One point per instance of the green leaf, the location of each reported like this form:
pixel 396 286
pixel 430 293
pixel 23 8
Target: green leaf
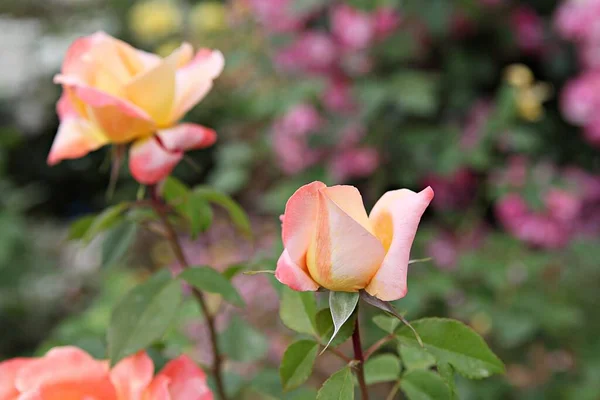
pixel 447 373
pixel 339 386
pixel 453 342
pixel 382 368
pixel 104 220
pixel 388 324
pixel 325 327
pixel 416 92
pixel 298 310
pixel 341 305
pixel 241 342
pixel 297 363
pixel 199 214
pixel 209 280
pixel 174 190
pixel 117 242
pixel 236 213
pixel 78 229
pixel 416 357
pixel 424 385
pixel 233 270
pixel 143 315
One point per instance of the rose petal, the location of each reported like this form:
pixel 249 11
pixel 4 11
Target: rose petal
pixel 187 380
pixel 349 200
pixel 299 221
pixel 290 274
pixel 150 162
pixel 395 219
pixel 80 390
pixel 76 137
pixel 61 364
pixel 343 255
pixel 154 90
pixel 158 389
pixel 8 374
pixel 184 137
pixel 132 376
pixel 120 120
pixel 195 80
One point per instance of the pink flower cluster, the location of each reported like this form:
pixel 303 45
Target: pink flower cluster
pixel 568 199
pixel 339 55
pixel 579 22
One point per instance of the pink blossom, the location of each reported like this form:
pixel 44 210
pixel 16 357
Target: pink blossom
pixel 575 20
pixel 591 132
pixel 529 29
pixel 276 15
pixel 354 29
pixel 354 163
pixel 580 98
pixel 357 63
pixel 338 96
pixel 313 52
pixel 562 205
pixel 386 20
pixel 444 251
pixel 290 138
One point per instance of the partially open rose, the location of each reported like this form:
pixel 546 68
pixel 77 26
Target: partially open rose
pixel 114 93
pixel 331 242
pixel 66 373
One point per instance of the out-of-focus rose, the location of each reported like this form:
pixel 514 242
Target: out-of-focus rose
pixel 331 242
pixel 354 29
pixel 338 96
pixel 386 20
pixel 276 15
pixel 290 138
pixel 528 28
pixel 70 373
pixel 154 19
pixel 354 163
pixel 113 93
pixel 313 52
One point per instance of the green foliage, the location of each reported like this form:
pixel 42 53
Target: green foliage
pixel 325 328
pixel 341 305
pixel 117 242
pixel 208 280
pixel 382 368
pixel 424 385
pixel 236 213
pixel 103 221
pixel 143 316
pixel 388 324
pixel 415 357
pixel 297 363
pixel 452 342
pixel 241 342
pixel 339 386
pixel 298 310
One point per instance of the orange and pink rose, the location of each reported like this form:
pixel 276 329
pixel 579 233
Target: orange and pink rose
pixel 69 373
pixel 114 93
pixel 331 242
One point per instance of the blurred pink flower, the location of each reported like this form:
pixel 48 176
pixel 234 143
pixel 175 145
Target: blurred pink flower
pixel 576 20
pixel 354 163
pixel 313 52
pixel 562 205
pixel 446 247
pixel 276 15
pixel 386 20
pixel 354 29
pixel 453 192
pixel 290 138
pixel 580 98
pixel 528 29
pixel 357 63
pixel 338 96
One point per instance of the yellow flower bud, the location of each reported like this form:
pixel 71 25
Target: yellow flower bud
pixel 519 76
pixel 154 19
pixel 208 16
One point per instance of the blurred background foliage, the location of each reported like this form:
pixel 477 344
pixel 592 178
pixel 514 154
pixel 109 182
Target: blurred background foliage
pixel 491 102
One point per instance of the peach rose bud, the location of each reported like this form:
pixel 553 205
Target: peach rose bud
pixel 331 242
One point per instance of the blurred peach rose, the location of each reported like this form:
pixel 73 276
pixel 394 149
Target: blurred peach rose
pixel 330 241
pixel 70 373
pixel 113 93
